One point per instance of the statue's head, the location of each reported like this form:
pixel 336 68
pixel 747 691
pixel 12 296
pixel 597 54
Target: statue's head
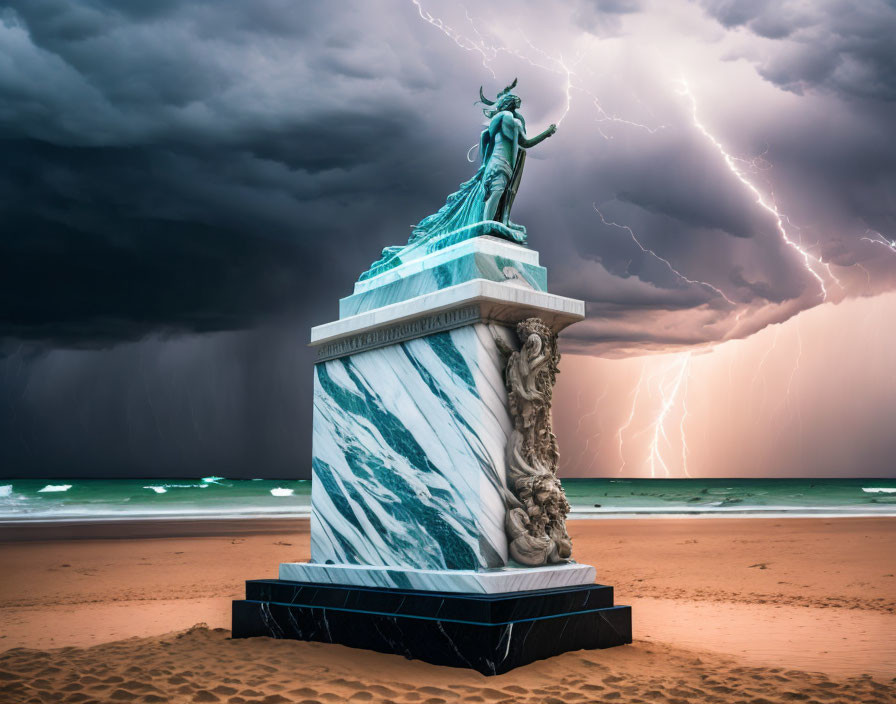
pixel 505 100
pixel 509 101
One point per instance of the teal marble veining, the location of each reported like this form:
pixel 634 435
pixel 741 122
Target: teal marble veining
pixel 424 259
pixel 408 454
pixel 418 249
pixel 465 267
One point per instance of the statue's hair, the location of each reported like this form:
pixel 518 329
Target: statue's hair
pixel 503 101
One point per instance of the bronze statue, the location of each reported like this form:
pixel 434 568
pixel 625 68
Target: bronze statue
pixel 481 206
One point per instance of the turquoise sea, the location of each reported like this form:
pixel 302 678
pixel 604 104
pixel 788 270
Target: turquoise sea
pixel 218 497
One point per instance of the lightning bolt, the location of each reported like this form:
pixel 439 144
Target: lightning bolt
pixel 666 262
pixel 671 389
pixel 593 411
pixel 877 238
pixel 655 455
pixel 465 43
pixel 672 386
pixel 684 417
pixel 768 351
pixel 562 69
pixel 631 416
pixel 604 116
pixel 767 205
pixel 489 52
pixel 591 437
pixel 793 373
pixel 548 62
pixel 810 262
pixel 796 365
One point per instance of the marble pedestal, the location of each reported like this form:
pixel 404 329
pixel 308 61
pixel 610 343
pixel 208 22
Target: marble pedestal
pixel 411 425
pixel 410 409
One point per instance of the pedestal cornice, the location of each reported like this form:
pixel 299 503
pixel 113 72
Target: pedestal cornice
pixel 471 302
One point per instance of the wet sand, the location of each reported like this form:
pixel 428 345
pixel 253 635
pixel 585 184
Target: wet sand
pixel 724 610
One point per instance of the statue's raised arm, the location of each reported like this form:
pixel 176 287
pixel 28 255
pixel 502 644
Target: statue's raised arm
pixel 481 206
pixel 526 143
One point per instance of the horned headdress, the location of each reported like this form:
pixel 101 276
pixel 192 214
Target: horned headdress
pixel 503 101
pixel 500 95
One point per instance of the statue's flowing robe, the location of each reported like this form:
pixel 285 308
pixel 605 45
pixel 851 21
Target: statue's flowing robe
pixel 462 215
pixel 464 208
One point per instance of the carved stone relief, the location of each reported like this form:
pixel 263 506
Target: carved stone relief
pixel 537 505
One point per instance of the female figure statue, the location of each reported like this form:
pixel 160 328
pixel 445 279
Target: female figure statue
pixel 489 195
pixel 481 206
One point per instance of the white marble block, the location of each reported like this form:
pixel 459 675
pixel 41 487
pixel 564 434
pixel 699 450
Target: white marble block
pixel 408 453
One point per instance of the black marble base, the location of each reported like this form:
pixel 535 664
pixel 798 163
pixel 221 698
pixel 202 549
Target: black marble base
pixel 491 633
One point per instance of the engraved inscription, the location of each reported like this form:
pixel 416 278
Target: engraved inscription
pixel 399 332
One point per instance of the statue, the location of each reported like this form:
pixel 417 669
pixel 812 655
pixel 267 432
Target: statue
pixel 536 519
pixel 482 205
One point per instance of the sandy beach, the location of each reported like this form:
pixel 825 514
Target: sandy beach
pixel 754 610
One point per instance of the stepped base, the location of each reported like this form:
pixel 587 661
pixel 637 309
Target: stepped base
pixel 492 581
pixel 491 633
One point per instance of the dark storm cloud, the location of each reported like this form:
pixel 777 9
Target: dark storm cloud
pixel 145 173
pixel 161 174
pixel 187 187
pixel 322 137
pixel 603 17
pixel 684 189
pixel 841 46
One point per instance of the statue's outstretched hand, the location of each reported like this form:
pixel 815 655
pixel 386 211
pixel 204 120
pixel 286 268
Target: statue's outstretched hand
pixel 551 129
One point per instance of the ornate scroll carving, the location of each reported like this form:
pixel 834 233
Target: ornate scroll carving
pixel 536 518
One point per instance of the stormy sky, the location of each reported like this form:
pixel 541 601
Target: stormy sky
pixel 186 187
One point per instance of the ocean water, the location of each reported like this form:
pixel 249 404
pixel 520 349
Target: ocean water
pixel 97 499
pixel 217 497
pixel 732 496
